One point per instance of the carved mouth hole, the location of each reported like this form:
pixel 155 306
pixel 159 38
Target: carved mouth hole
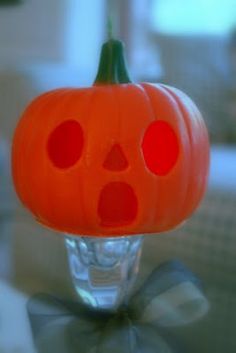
pixel 117 205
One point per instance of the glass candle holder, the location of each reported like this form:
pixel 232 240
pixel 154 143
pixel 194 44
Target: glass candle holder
pixel 104 269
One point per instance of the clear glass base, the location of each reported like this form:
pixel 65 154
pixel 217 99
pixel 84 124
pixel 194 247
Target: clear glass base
pixel 104 270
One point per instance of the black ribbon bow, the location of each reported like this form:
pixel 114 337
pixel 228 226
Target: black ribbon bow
pixel 171 296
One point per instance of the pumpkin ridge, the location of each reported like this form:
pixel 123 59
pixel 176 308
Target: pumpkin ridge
pixel 167 89
pixel 47 189
pixel 188 210
pixel 175 210
pixel 34 121
pixel 139 88
pixel 83 180
pixel 148 99
pixel 70 96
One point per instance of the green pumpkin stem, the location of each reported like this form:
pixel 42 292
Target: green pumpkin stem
pixel 112 67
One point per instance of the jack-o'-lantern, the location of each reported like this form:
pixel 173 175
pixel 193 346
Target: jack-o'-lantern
pixel 117 158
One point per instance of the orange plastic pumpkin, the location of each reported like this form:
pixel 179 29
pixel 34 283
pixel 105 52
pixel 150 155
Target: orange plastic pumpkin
pixel 114 159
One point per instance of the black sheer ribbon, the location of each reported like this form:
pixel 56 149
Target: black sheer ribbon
pixel 171 296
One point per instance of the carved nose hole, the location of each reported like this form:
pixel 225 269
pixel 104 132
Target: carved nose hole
pixel 115 159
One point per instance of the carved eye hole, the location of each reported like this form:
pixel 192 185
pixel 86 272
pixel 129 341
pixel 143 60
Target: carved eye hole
pixel 65 144
pixel 160 147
